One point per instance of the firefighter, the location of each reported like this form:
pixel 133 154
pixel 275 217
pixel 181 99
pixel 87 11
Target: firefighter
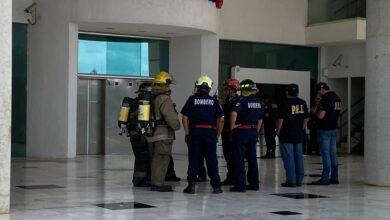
pixel 166 122
pixel 141 175
pixel 202 122
pixel 230 88
pixel 245 123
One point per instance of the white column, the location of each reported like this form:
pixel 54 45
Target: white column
pixel 189 57
pixel 5 102
pixel 377 98
pixel 52 83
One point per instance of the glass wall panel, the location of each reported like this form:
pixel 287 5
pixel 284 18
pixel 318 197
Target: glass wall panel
pixel 266 56
pixel 122 56
pixel 333 10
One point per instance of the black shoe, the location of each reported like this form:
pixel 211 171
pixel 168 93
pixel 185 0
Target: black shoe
pixel 288 185
pixel 334 182
pixel 217 190
pixel 142 184
pixel 235 189
pixel 299 184
pixel 165 188
pixel 318 183
pixel 252 188
pixel 265 157
pixel 190 189
pixel 201 179
pixel 227 182
pixel 272 157
pixel 172 179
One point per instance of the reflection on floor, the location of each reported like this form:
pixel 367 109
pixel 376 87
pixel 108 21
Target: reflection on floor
pixel 98 187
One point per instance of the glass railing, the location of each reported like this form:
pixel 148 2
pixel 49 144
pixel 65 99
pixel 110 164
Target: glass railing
pixel 333 10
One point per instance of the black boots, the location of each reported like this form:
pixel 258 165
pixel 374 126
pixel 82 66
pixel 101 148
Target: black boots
pixel 173 178
pixel 190 188
pixel 165 188
pixel 217 190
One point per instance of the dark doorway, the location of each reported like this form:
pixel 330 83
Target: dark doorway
pixel 276 92
pixel 19 90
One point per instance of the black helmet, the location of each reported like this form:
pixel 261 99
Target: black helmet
pixel 145 87
pixel 248 84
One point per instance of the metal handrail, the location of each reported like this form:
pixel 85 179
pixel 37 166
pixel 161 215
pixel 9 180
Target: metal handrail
pixel 342 125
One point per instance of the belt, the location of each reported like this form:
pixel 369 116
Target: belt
pixel 203 126
pixel 246 127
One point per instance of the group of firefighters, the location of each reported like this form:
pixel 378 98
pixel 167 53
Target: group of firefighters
pixel 152 119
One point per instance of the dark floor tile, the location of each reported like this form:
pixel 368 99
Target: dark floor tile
pixel 313 175
pixel 286 213
pixel 40 187
pixel 118 170
pixel 124 205
pixel 86 177
pixel 300 196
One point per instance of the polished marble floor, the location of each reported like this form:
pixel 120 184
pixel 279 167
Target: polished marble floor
pixel 98 187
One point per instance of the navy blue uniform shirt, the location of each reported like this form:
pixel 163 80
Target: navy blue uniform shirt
pixel 228 107
pixel 293 112
pixel 331 104
pixel 202 109
pixel 249 110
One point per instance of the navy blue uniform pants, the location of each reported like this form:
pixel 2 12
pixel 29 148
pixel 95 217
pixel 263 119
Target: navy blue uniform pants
pixel 227 146
pixel 205 140
pixel 245 146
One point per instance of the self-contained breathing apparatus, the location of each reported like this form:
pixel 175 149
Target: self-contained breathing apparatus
pixel 125 121
pixel 137 114
pixel 145 122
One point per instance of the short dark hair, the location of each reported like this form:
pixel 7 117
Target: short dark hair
pixel 293 90
pixel 322 85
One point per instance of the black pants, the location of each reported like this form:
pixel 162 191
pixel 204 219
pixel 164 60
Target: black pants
pixel 141 160
pixel 227 145
pixel 269 136
pixel 313 144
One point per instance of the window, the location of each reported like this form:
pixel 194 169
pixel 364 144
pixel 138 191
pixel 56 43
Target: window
pixel 121 56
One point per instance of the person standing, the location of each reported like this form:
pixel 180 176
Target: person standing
pixel 328 113
pixel 202 122
pixel 141 175
pixel 269 128
pixel 313 128
pixel 245 123
pixel 166 122
pixel 292 119
pixel 230 88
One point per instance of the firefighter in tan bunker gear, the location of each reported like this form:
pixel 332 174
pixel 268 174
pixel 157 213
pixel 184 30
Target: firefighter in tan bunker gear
pixel 166 123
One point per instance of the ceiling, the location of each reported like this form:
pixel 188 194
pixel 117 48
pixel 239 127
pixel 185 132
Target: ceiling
pixel 147 30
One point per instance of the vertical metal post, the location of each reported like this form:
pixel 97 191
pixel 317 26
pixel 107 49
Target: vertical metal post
pixel 88 107
pixel 349 114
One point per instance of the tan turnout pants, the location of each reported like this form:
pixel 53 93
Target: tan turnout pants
pixel 160 153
